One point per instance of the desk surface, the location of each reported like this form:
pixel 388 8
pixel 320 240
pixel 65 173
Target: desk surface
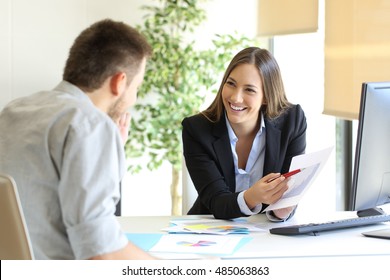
pixel 345 242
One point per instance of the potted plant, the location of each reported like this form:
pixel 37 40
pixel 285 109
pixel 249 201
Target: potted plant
pixel 177 78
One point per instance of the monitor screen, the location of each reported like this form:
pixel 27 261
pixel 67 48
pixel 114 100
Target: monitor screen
pixel 371 175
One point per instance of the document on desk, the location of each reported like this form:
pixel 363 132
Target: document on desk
pixel 199 244
pixel 196 244
pixel 309 166
pixel 211 226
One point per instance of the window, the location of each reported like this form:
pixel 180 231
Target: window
pixel 301 59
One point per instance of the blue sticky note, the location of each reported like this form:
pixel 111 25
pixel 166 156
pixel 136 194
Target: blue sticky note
pixel 243 241
pixel 144 240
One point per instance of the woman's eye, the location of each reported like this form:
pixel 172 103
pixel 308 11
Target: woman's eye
pixel 250 90
pixel 230 83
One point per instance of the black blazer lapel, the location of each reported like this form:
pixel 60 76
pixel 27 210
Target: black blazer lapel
pixel 223 152
pixel 272 149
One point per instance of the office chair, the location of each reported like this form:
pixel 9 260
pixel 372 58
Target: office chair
pixel 14 238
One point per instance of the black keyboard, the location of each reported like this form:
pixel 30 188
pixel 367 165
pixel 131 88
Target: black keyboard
pixel 331 225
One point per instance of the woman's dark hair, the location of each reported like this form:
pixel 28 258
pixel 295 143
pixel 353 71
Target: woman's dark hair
pixel 274 94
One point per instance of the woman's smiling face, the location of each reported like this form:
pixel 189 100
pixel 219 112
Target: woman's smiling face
pixel 242 95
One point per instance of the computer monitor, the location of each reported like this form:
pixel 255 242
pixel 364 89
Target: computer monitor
pixel 371 174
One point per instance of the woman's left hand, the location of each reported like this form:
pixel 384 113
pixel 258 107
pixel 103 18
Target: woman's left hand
pixel 283 213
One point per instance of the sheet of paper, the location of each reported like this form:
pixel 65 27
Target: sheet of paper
pixel 199 244
pixel 311 164
pixel 212 226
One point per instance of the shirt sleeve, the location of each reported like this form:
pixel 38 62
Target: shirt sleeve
pixel 244 208
pixel 89 188
pixel 273 218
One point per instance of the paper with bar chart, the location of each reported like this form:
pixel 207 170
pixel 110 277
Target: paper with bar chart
pixel 310 166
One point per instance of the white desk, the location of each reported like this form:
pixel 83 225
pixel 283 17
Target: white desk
pixel 346 242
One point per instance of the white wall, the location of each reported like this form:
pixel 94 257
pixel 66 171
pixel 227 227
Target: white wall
pixel 36 36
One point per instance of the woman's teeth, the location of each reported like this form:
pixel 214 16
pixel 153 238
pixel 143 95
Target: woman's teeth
pixel 235 108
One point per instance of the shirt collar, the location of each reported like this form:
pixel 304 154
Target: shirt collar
pixel 232 135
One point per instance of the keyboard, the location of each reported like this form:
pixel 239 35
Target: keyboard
pixel 313 228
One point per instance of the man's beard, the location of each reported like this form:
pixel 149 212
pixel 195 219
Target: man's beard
pixel 116 110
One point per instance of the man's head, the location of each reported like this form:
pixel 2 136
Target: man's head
pixel 102 50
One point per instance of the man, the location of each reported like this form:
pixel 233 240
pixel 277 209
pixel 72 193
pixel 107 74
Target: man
pixel 64 147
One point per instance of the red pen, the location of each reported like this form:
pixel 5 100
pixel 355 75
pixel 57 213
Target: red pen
pixel 289 174
pixel 286 175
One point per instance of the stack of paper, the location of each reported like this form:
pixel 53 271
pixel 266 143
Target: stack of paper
pixel 211 226
pixel 199 244
pixel 198 236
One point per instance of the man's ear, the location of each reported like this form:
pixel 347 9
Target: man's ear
pixel 118 83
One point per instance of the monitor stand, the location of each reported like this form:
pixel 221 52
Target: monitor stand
pixel 370 212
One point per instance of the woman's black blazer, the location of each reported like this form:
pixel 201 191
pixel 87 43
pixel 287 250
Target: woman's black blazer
pixel 209 159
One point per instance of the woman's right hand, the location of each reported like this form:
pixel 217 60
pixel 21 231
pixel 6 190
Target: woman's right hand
pixel 267 190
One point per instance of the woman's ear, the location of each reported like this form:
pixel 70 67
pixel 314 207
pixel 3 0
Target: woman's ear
pixel 118 83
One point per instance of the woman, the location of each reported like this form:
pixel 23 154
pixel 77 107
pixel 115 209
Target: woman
pixel 237 148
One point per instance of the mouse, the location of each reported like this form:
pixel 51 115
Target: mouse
pixel 370 212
